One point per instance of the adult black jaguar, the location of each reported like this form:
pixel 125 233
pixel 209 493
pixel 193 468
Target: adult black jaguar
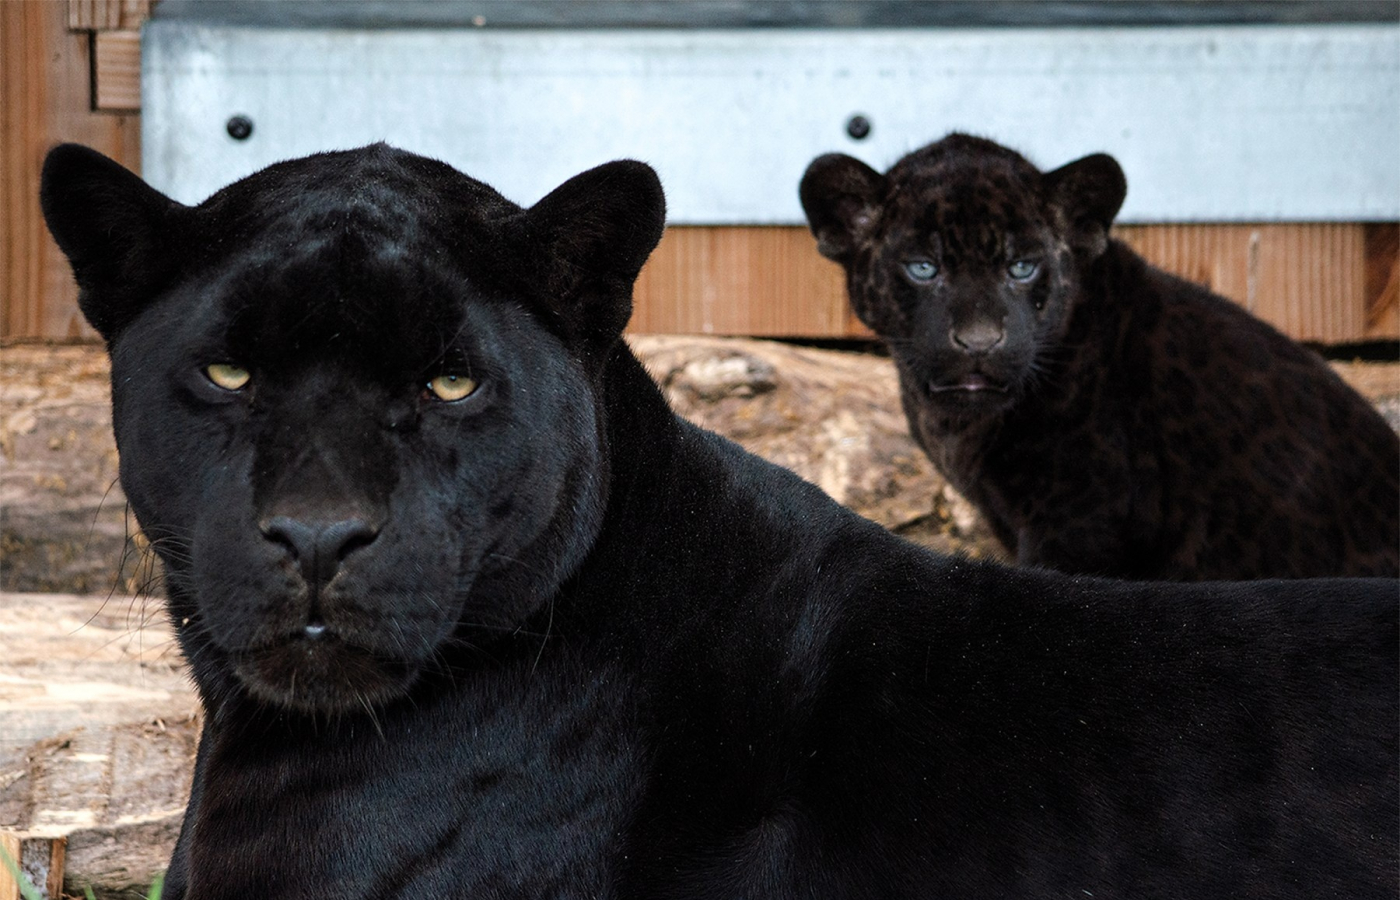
pixel 472 613
pixel 1106 417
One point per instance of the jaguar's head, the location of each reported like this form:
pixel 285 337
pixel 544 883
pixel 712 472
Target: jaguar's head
pixel 356 401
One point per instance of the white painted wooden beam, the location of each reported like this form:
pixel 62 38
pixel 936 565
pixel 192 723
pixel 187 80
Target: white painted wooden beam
pixel 1214 124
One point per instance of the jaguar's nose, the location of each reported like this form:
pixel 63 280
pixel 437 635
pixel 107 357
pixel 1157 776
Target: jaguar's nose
pixel 319 547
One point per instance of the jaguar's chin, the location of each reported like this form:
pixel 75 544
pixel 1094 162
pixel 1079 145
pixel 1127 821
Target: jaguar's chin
pixel 316 672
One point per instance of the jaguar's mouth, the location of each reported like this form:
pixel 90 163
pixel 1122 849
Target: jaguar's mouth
pixel 973 382
pixel 318 672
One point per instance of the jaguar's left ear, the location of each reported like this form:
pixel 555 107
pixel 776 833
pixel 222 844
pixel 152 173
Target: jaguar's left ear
pixel 592 234
pixel 1089 191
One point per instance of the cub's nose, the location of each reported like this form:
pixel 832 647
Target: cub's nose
pixel 979 337
pixel 319 547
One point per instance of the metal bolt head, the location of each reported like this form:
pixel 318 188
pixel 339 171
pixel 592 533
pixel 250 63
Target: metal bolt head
pixel 240 128
pixel 858 127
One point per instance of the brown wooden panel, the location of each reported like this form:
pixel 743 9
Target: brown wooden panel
pixel 102 15
pixel 1383 280
pixel 738 280
pixel 44 100
pixel 117 71
pixel 1309 280
pixel 1321 282
pixel 1214 256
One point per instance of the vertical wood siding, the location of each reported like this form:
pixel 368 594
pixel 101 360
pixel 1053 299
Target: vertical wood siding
pixel 46 98
pixel 1325 282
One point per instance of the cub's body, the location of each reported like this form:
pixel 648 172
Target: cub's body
pixel 1106 417
pixel 474 614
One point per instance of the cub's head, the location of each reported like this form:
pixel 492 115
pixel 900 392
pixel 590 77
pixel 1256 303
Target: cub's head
pixel 964 258
pixel 356 401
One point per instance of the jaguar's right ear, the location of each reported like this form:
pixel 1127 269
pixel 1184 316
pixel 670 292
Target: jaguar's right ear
pixel 841 196
pixel 114 229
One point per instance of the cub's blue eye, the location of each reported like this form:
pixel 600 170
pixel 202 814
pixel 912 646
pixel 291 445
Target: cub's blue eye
pixel 920 270
pixel 1022 269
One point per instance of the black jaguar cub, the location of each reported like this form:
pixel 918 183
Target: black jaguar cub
pixel 1106 417
pixel 473 614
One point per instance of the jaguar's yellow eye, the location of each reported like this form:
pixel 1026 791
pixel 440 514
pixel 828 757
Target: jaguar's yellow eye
pixel 452 387
pixel 228 376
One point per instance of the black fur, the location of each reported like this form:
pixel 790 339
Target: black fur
pixel 549 640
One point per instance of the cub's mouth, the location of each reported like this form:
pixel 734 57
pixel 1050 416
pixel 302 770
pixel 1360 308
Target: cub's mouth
pixel 319 672
pixel 972 383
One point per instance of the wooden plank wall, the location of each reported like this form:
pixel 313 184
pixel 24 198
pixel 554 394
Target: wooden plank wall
pixel 71 71
pixel 1332 283
pixel 760 281
pixel 46 97
pixel 1324 282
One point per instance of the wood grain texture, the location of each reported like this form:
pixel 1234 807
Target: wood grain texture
pixel 1308 280
pixel 764 282
pixel 117 71
pixel 1324 282
pixel 101 722
pixel 40 859
pixel 103 15
pixel 1382 280
pixel 45 99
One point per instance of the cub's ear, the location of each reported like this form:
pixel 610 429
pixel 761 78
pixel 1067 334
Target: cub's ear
pixel 113 228
pixel 591 235
pixel 841 196
pixel 1089 191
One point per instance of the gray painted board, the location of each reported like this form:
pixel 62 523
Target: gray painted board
pixel 1220 123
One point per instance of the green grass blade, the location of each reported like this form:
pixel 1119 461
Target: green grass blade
pixel 29 891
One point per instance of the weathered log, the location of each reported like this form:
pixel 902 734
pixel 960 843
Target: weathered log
pixel 98 727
